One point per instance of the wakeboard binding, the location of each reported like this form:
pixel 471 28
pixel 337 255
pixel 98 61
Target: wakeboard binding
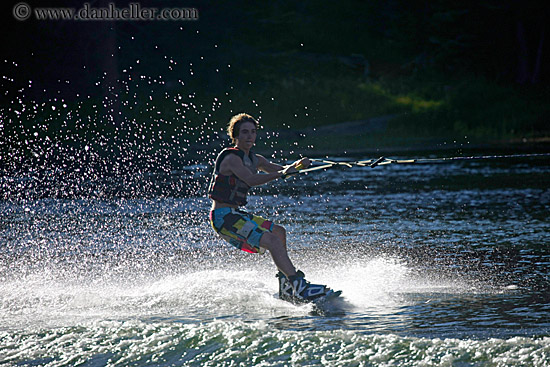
pixel 296 289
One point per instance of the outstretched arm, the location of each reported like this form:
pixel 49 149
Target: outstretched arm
pixel 232 164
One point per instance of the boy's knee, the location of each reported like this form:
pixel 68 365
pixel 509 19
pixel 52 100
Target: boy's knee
pixel 270 241
pixel 279 231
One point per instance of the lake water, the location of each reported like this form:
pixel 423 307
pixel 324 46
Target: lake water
pixel 439 264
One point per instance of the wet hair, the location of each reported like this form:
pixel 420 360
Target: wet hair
pixel 235 123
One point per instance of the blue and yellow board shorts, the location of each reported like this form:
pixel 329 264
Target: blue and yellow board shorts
pixel 241 229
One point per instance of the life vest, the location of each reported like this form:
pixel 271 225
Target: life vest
pixel 231 189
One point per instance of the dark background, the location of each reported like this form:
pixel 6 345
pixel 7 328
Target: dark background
pixel 157 94
pixel 504 40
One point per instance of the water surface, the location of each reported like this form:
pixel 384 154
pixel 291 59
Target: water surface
pixel 438 264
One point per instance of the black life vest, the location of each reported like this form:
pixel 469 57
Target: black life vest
pixel 231 189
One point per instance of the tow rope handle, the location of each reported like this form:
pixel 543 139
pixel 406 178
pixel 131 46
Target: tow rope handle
pixel 298 167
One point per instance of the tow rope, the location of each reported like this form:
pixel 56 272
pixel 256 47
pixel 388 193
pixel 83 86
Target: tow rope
pixel 383 161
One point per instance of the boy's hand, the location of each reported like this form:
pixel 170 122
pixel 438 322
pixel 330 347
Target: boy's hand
pixel 302 163
pixel 295 167
pixel 289 170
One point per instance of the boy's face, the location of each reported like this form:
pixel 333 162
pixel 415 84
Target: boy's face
pixel 247 135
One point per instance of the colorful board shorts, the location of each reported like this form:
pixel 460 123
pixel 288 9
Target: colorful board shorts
pixel 241 229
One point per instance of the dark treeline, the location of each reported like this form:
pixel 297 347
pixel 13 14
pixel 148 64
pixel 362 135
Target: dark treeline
pixel 137 89
pixel 503 39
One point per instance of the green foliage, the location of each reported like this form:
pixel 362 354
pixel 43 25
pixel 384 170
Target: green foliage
pixel 443 69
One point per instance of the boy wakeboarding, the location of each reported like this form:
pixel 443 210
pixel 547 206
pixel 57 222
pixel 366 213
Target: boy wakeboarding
pixel 235 172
